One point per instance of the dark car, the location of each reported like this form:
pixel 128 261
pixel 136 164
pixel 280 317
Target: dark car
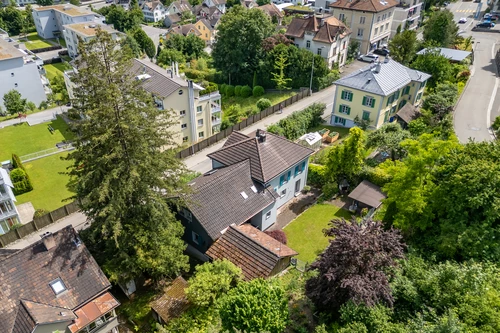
pixel 485 25
pixel 382 52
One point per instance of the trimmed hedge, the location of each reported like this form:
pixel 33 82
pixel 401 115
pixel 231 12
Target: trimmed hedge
pixel 299 122
pixel 16 162
pixel 258 91
pixel 211 87
pixel 246 91
pixel 229 90
pixel 21 181
pixel 316 175
pixel 222 88
pixel 237 91
pixel 263 104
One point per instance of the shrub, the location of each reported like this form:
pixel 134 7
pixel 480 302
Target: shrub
pixel 496 126
pixel 299 122
pixel 209 88
pixel 246 91
pixel 329 190
pixel 16 162
pixel 263 104
pixel 258 91
pixel 229 90
pixel 279 235
pixel 43 105
pixel 21 182
pixel 316 175
pixel 222 88
pixel 237 91
pixel 306 189
pixel 40 212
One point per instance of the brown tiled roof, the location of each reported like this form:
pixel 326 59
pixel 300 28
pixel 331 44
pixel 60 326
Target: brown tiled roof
pixel 26 274
pixel 255 252
pixel 364 5
pixel 46 314
pixel 325 32
pixel 271 9
pixel 267 159
pixel 182 6
pixel 185 29
pixel 91 311
pixel 173 302
pixel 216 201
pixel 151 5
pixel 368 194
pixel 408 112
pixel 23 322
pixel 206 23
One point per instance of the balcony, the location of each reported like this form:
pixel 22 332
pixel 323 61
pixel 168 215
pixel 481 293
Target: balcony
pixel 216 108
pixel 212 95
pixel 216 121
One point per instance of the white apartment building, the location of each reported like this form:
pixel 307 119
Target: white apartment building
pixel 154 11
pixel 21 70
pixel 407 15
pixel 9 215
pixel 327 37
pixel 85 31
pixel 50 20
pixel 369 20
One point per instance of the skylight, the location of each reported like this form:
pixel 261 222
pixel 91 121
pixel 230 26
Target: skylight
pixel 254 189
pixel 244 195
pixel 57 286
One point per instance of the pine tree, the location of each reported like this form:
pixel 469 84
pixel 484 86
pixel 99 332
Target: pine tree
pixel 279 78
pixel 125 177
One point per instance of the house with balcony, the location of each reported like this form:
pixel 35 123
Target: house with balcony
pixel 9 216
pixel 253 175
pixel 55 285
pixel 84 31
pixel 369 20
pixel 407 15
pixel 154 11
pixel 376 93
pixel 327 37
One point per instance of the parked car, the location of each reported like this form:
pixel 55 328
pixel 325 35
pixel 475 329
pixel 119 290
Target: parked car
pixel 370 57
pixel 462 20
pixel 489 17
pixel 383 51
pixel 485 25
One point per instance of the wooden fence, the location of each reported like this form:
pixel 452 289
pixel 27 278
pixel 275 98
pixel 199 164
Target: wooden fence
pixel 186 152
pixel 37 224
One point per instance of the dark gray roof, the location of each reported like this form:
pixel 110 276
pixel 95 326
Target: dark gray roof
pixel 391 77
pixel 216 201
pixel 26 274
pixel 408 112
pixel 368 194
pixel 267 159
pixel 452 54
pixel 160 83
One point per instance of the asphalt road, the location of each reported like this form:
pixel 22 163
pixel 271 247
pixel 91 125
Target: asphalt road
pixel 480 101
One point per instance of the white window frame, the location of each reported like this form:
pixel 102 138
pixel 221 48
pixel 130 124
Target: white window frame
pixel 283 192
pixel 308 44
pixel 199 109
pixel 362 20
pixel 200 122
pixel 368 101
pixel 184 126
pixel 361 31
pixel 344 109
pixel 202 134
pixel 182 113
pixel 268 215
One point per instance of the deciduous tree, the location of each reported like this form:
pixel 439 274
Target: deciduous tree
pixel 125 176
pixel 13 102
pixel 388 139
pixel 433 63
pixel 403 47
pixel 441 28
pixel 279 78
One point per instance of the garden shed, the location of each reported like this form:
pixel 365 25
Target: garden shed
pixel 311 140
pixel 366 195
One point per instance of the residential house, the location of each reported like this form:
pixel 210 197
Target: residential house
pixel 9 216
pixel 18 2
pixel 453 55
pixel 172 303
pixel 209 13
pixel 219 4
pixel 369 20
pixel 54 285
pixel 50 20
pixel 407 15
pixel 175 12
pixel 22 70
pixel 273 11
pixel 154 11
pixel 366 195
pixel 86 32
pixel 253 175
pixel 207 31
pixel 327 37
pixel 406 114
pixel 256 253
pixel 185 30
pixel 376 92
pixel 249 4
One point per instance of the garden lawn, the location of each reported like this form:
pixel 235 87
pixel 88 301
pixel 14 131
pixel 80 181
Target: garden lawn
pixel 343 131
pixel 36 42
pixel 305 233
pixel 24 139
pixel 56 69
pixel 249 103
pixel 49 184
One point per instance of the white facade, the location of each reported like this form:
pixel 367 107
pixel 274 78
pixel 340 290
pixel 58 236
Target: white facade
pixel 154 11
pixel 19 71
pixel 85 31
pixel 332 53
pixel 407 15
pixel 9 215
pixel 49 20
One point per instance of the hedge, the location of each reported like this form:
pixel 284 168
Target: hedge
pixel 21 182
pixel 229 90
pixel 246 91
pixel 258 91
pixel 316 175
pixel 222 88
pixel 16 162
pixel 237 91
pixel 299 122
pixel 263 104
pixel 211 87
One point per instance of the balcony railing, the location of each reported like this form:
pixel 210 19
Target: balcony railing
pixel 212 95
pixel 216 108
pixel 216 121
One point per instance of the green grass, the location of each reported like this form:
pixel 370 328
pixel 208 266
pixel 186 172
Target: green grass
pixel 305 233
pixel 249 103
pixel 36 42
pixel 343 131
pixel 56 69
pixel 24 139
pixel 49 185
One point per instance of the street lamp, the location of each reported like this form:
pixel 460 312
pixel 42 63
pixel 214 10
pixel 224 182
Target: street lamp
pixel 312 72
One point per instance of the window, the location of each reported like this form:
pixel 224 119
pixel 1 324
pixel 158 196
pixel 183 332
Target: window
pixel 308 44
pixel 381 29
pixel 268 215
pixel 362 20
pixel 422 84
pixel 360 32
pixel 185 139
pixel 201 135
pixel 285 178
pixel 389 14
pixel 386 117
pixel 368 101
pixel 375 33
pixel 396 95
pixel 187 214
pixel 199 109
pixel 196 237
pixel 406 90
pixel 184 126
pixel 57 286
pixel 387 26
pixel 283 193
pixel 182 113
pixel 300 168
pixel 419 96
pixel 11 74
pixel 200 122
pixel 378 18
pixel 206 35
pixel 384 16
pixel 394 108
pixel 339 120
pixel 346 95
pixel 343 45
pixel 344 109
pixel 319 50
pixel 341 17
pixel 366 115
pixel 181 92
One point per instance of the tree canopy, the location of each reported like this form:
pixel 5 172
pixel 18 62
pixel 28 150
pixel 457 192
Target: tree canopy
pixel 403 46
pixel 13 102
pixel 433 63
pixel 441 29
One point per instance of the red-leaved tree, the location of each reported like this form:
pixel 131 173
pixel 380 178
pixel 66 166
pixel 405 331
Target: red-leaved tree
pixel 279 235
pixel 355 266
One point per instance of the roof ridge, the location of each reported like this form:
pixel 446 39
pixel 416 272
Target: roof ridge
pixel 260 245
pixel 218 175
pixel 28 312
pixel 260 159
pixel 312 151
pixel 233 144
pixel 156 70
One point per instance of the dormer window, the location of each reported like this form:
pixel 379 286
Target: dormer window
pixel 58 286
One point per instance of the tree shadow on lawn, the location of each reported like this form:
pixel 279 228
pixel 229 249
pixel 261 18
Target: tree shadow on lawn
pixel 341 213
pixel 60 125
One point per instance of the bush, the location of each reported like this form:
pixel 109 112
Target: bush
pixel 40 212
pixel 237 91
pixel 246 91
pixel 229 90
pixel 279 235
pixel 316 175
pixel 21 182
pixel 258 91
pixel 16 162
pixel 496 126
pixel 329 190
pixel 222 88
pixel 209 88
pixel 263 104
pixel 299 122
pixel 43 105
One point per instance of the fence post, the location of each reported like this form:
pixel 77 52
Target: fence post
pixel 66 209
pixel 2 243
pixel 17 234
pixel 34 223
pixel 51 217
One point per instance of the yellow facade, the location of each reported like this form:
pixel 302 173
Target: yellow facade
pixel 206 32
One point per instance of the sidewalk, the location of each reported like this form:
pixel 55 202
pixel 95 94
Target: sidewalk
pixel 36 118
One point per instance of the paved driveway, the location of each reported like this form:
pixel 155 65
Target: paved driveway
pixel 153 33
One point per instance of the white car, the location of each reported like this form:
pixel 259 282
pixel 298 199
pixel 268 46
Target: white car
pixel 462 20
pixel 370 57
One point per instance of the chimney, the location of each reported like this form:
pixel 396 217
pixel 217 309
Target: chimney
pixel 386 60
pixel 48 240
pixel 377 67
pixel 260 135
